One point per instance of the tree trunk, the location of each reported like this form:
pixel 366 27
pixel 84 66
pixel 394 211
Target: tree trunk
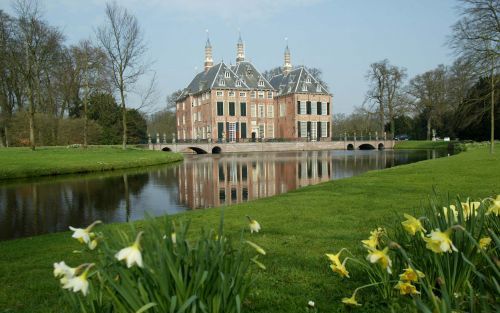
pixel 124 116
pixel 381 118
pixel 2 145
pixel 492 145
pixel 429 128
pixel 31 118
pixel 6 133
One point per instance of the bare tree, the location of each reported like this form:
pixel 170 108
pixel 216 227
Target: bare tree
pixel 476 36
pixel 122 40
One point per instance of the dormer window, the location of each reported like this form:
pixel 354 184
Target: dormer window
pixel 308 79
pixel 227 75
pixel 304 87
pixel 261 83
pixel 318 88
pixel 222 82
pixel 289 88
pixel 238 83
pixel 249 70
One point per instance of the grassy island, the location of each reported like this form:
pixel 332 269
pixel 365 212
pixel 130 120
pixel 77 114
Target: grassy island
pixel 22 162
pixel 298 228
pixel 423 144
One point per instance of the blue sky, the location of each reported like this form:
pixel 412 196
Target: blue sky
pixel 341 37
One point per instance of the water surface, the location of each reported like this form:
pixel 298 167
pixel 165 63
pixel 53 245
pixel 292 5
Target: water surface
pixel 44 205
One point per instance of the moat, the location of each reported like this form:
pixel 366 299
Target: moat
pixel 45 205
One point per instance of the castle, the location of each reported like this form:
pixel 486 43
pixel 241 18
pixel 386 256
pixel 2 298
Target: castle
pixel 236 103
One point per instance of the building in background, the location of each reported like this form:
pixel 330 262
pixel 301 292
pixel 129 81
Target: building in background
pixel 236 103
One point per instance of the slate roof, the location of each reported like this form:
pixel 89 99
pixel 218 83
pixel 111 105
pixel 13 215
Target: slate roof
pixel 297 81
pixel 242 76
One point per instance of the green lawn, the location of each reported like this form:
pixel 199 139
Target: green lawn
pixel 22 162
pixel 423 144
pixel 297 229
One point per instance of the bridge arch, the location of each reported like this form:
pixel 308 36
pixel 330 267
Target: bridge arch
pixel 216 150
pixel 366 146
pixel 381 146
pixel 350 146
pixel 195 150
pixel 166 149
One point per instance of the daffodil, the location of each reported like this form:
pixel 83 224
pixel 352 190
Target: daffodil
pixel 484 242
pixel 131 254
pixel 93 244
pixel 253 224
pixel 83 234
pixel 351 301
pixel 340 268
pixel 406 288
pixel 64 271
pixel 410 275
pixel 412 225
pixel 381 257
pixel 256 247
pixel 470 208
pixel 439 241
pixel 335 258
pixel 494 207
pixel 173 236
pixel 453 210
pixel 310 304
pixel 79 283
pixel 374 239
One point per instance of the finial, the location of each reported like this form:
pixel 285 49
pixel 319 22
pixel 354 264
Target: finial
pixel 208 45
pixel 239 36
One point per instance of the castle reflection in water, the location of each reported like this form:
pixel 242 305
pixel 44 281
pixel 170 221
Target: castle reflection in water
pixel 229 179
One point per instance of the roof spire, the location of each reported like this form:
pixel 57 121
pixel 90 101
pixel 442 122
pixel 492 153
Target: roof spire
pixel 287 66
pixel 209 62
pixel 240 49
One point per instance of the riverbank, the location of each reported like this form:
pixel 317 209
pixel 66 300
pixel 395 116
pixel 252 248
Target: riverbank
pixel 423 144
pixel 47 161
pixel 297 229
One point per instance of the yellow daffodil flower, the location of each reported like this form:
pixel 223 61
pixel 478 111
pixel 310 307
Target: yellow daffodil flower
pixel 470 208
pixel 340 268
pixel 406 288
pixel 253 224
pixel 484 242
pixel 494 207
pixel 256 247
pixel 83 234
pixel 381 257
pixel 453 210
pixel 132 255
pixel 410 275
pixel 373 240
pixel 439 242
pixel 412 225
pixel 351 301
pixel 93 244
pixel 79 283
pixel 335 258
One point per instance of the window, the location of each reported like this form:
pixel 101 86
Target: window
pixel 227 75
pixel 270 131
pixel 220 108
pixel 289 88
pixel 261 83
pixel 238 83
pixel 253 112
pixel 314 108
pixel 261 130
pixel 308 79
pixel 231 109
pixel 183 119
pixel 308 107
pixel 270 110
pixel 232 94
pixel 304 87
pixel 222 82
pixel 243 109
pixel 324 109
pixel 261 111
pixel 219 94
pixel 178 121
pixel 318 88
pixel 314 134
pixel 324 132
pixel 282 109
pixel 194 117
pixel 183 105
pixel 243 130
pixel 318 108
pixel 303 129
pixel 261 94
pixel 252 94
pixel 199 116
pixel 302 107
pixel 220 130
pixel 269 95
pixel 243 94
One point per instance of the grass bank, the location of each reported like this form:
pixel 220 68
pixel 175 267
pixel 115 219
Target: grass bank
pixel 423 144
pixel 297 229
pixel 22 162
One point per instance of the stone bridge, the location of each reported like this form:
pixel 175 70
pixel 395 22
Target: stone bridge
pixel 228 147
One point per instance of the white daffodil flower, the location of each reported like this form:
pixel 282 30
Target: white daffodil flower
pixel 79 283
pixel 132 255
pixel 174 238
pixel 311 304
pixel 61 269
pixel 83 234
pixel 254 225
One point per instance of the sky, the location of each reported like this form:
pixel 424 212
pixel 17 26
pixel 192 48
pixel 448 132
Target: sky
pixel 340 37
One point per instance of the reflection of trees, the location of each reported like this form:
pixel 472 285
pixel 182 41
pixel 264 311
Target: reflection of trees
pixel 35 208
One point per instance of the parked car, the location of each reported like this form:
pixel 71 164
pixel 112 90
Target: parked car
pixel 402 137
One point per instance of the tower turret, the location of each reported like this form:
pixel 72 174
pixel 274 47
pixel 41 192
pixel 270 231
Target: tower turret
pixel 287 66
pixel 209 62
pixel 240 50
